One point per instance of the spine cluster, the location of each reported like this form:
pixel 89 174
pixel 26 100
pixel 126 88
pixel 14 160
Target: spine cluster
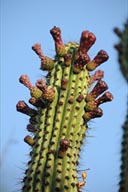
pixel 62 108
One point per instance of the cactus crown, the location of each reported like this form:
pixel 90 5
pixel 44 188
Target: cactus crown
pixel 63 106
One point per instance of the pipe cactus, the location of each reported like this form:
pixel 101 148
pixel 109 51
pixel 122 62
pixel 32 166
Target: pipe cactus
pixel 62 108
pixel 122 48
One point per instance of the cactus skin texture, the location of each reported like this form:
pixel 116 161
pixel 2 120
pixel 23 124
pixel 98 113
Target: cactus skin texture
pixel 62 107
pixel 122 48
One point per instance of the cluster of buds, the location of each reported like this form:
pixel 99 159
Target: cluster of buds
pixel 81 56
pixel 38 92
pixel 94 99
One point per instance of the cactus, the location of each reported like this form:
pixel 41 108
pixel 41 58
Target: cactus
pixel 122 48
pixel 63 106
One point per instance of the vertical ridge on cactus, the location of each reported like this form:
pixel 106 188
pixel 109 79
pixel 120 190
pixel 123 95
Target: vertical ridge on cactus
pixel 63 105
pixel 122 48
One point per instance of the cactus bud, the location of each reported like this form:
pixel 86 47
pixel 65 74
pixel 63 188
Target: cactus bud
pixel 31 128
pixel 47 63
pixel 24 108
pixel 86 41
pixel 48 94
pixel 80 62
pixel 100 58
pixel 99 74
pixel 99 88
pixel 97 112
pixel 60 47
pixel 36 92
pixel 29 140
pixel 36 102
pixel 41 84
pixel 91 105
pixel 106 97
pixel 38 50
pixel 24 79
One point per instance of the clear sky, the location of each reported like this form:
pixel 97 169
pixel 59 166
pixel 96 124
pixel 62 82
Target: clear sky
pixel 25 22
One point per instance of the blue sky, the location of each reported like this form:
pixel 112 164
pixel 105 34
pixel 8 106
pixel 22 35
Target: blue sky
pixel 25 22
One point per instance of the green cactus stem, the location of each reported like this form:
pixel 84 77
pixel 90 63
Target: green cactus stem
pixel 62 107
pixel 122 48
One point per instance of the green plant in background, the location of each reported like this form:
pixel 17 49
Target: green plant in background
pixel 122 48
pixel 63 106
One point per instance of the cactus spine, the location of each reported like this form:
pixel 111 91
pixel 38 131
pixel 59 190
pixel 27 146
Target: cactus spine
pixel 122 48
pixel 62 107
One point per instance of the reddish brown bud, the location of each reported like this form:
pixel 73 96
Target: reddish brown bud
pixel 29 140
pixel 24 79
pixel 106 97
pixel 86 41
pixel 24 108
pixel 99 88
pixel 100 58
pixel 38 50
pixel 48 94
pixel 91 105
pixel 80 62
pixel 97 112
pixel 41 84
pixel 99 74
pixel 56 34
pixel 36 102
pixel 31 128
pixel 82 59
